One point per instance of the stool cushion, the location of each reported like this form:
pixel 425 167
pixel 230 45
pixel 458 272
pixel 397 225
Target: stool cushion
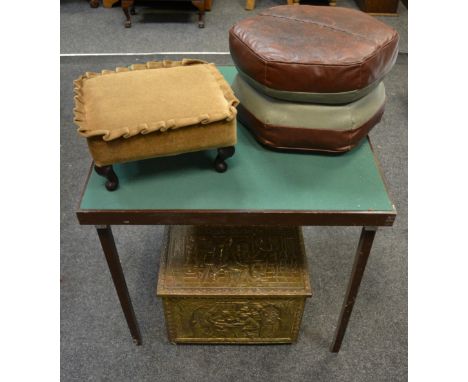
pixel 313 52
pixel 154 109
pixel 308 127
pixel 156 96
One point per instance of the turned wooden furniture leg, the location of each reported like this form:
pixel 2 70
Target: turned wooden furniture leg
pixel 201 19
pixel 94 3
pixel 126 4
pixel 360 261
pixel 223 153
pixel 108 173
pixel 200 5
pixel 249 5
pixel 208 5
pixel 110 251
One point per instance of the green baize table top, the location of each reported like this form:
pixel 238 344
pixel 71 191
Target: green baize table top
pixel 257 179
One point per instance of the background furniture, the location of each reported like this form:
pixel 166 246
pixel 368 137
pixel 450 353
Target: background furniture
pixel 303 190
pixel 379 7
pixel 128 7
pixel 110 3
pixel 250 4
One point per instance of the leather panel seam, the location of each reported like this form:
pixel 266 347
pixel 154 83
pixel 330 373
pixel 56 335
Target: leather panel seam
pixel 321 25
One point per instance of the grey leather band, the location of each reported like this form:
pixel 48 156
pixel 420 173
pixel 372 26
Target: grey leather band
pixel 276 112
pixel 322 98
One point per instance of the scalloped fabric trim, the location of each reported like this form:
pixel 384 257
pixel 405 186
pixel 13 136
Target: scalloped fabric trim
pixel 81 117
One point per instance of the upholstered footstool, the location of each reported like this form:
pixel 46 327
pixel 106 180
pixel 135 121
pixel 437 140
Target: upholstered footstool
pixel 155 109
pixel 311 76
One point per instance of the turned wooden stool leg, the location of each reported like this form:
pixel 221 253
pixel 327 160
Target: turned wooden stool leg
pixel 201 18
pixel 126 4
pixel 108 173
pixel 223 153
pixel 200 5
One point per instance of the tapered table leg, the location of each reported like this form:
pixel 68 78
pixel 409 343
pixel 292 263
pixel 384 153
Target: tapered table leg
pixel 113 261
pixel 360 261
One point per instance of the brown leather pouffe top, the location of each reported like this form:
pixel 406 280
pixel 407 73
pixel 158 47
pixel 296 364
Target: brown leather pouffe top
pixel 313 49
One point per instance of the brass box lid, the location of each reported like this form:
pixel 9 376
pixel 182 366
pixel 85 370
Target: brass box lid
pixel 234 261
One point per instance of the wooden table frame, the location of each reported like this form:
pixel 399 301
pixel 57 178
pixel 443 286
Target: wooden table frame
pixel 369 220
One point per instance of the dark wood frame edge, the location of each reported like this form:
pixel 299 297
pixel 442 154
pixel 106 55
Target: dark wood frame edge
pixel 236 217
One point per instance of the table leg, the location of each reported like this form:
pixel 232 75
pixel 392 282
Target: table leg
pixel 360 261
pixel 113 261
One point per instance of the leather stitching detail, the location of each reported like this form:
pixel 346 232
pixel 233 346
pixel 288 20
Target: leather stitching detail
pixel 318 24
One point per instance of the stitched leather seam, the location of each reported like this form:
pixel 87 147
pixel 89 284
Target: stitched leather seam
pixel 319 24
pixel 335 29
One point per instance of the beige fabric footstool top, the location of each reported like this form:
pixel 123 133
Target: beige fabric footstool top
pixel 155 109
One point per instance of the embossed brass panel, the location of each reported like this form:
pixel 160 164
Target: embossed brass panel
pixel 233 284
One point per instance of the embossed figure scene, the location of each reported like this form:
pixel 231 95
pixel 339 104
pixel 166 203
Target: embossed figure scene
pixel 251 320
pixel 236 320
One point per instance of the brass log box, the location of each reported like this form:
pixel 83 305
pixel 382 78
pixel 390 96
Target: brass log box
pixel 243 285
